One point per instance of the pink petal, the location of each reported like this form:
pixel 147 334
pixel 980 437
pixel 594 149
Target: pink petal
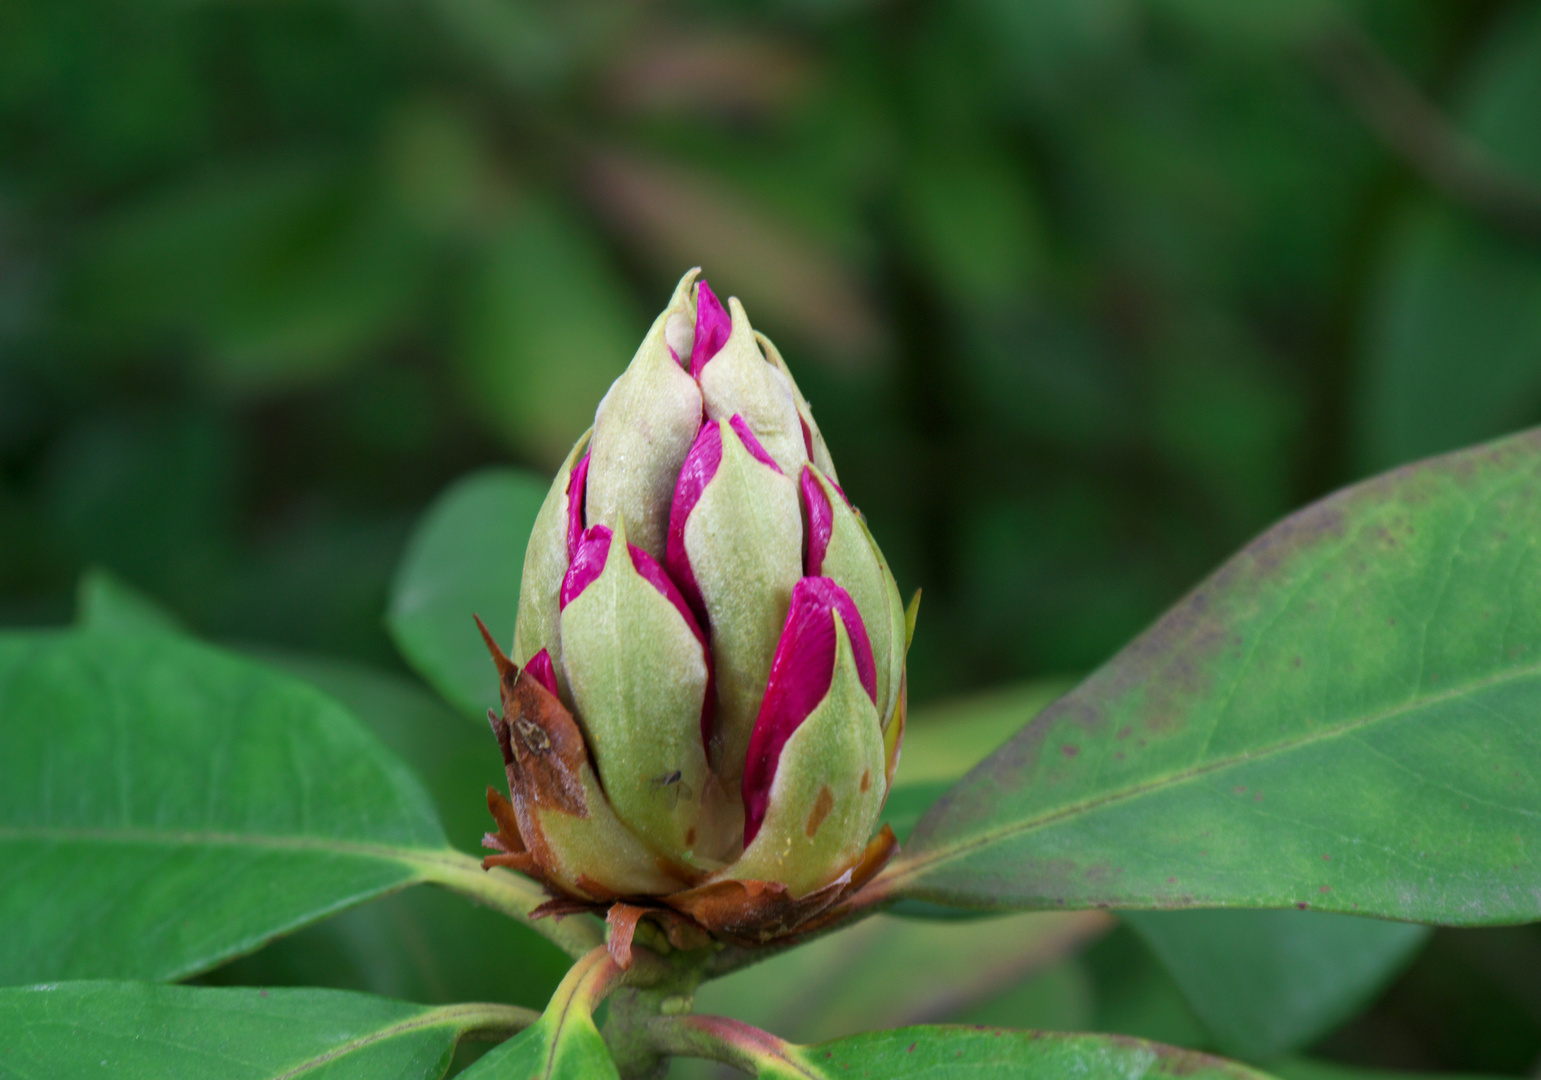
pixel 807 436
pixel 539 668
pixel 700 466
pixel 821 523
pixel 713 326
pixel 588 562
pixel 647 567
pixel 751 443
pixel 800 675
pixel 577 492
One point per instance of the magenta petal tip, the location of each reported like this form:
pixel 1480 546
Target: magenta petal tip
pixel 541 670
pixel 800 676
pixel 700 466
pixel 821 523
pixel 713 327
pixel 751 443
pixel 588 562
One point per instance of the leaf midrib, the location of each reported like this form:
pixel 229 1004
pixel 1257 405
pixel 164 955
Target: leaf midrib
pixel 151 838
pixel 906 868
pixel 445 1016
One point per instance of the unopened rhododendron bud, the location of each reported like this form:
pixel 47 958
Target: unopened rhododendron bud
pixel 703 707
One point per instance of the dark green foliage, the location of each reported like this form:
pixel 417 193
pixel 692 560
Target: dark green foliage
pixel 300 303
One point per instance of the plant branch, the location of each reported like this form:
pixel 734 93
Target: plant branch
pixel 1422 136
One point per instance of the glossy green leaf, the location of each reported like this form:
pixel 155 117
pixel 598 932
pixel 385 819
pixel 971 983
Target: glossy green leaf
pixel 165 806
pixel 564 1044
pixel 139 1031
pixel 942 1053
pixel 1453 334
pixel 1265 982
pixel 943 741
pixel 419 944
pixel 465 559
pixel 1342 717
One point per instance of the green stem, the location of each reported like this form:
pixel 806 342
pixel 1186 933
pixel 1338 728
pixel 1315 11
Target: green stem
pixel 511 895
pixel 655 987
pixel 731 1042
pixel 490 1023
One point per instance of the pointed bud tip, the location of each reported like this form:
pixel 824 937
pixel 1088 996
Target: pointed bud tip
pixel 713 326
pixel 505 666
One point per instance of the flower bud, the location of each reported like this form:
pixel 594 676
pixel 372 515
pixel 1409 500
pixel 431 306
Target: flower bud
pixel 706 700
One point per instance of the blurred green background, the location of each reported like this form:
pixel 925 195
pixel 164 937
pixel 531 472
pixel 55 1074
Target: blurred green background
pixel 1083 293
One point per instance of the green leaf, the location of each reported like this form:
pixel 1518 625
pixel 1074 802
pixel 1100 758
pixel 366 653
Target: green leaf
pixel 946 740
pixel 936 1053
pixel 1454 325
pixel 564 1044
pixel 464 559
pixel 138 1030
pixel 1341 718
pixel 1264 982
pixel 863 977
pixel 420 944
pixel 106 602
pixel 1300 1068
pixel 165 806
pixel 549 326
pixel 979 1055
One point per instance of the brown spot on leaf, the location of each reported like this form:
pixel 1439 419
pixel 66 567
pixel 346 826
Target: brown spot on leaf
pixel 1069 751
pixel 821 808
pixel 866 780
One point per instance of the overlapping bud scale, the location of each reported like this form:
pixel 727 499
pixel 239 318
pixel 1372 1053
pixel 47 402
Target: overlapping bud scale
pixel 704 706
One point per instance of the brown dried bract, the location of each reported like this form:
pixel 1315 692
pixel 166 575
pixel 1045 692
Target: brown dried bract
pixel 756 912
